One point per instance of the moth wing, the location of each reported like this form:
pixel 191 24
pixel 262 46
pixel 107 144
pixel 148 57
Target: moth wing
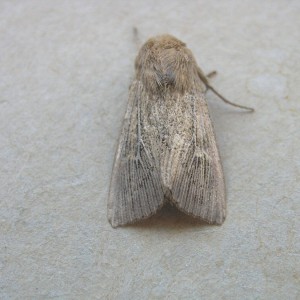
pixel 198 186
pixel 135 191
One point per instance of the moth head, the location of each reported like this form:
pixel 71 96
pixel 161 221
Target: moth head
pixel 165 62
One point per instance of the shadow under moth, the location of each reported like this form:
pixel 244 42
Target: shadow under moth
pixel 167 149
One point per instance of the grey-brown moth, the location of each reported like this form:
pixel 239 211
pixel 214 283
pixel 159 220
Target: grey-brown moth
pixel 167 149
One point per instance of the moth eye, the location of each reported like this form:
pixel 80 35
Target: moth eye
pixel 169 77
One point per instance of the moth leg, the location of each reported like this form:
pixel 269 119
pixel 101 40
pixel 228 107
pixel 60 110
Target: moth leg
pixel 211 74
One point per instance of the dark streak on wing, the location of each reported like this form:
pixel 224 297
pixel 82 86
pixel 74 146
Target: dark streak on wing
pixel 198 187
pixel 136 191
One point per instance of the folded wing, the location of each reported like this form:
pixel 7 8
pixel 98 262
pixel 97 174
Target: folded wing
pixel 135 191
pixel 198 184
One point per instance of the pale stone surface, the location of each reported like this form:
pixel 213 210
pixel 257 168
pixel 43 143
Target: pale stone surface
pixel 65 71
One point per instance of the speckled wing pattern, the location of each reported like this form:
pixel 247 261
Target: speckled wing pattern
pixel 197 181
pixel 136 190
pixel 167 152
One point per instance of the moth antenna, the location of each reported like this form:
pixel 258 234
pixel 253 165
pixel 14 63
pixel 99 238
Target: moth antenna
pixel 136 37
pixel 229 102
pixel 205 81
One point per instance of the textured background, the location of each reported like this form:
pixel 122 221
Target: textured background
pixel 65 71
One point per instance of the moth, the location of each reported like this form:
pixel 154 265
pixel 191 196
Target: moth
pixel 167 150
